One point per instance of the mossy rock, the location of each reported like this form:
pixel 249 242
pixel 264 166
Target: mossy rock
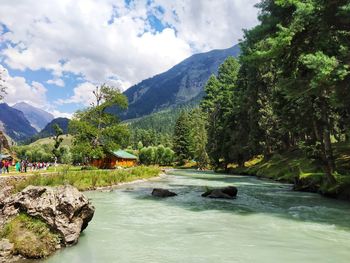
pixel 31 237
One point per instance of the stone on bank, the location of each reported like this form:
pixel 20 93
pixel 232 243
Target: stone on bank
pixel 64 210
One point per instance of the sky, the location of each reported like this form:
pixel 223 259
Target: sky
pixel 53 53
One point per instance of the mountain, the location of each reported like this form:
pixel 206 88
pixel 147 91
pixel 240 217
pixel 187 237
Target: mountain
pixel 49 130
pixel 182 84
pixel 38 118
pixel 14 123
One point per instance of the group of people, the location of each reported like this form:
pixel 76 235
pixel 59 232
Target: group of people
pixel 5 166
pixel 22 166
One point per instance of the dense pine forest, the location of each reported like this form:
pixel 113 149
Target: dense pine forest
pixel 287 95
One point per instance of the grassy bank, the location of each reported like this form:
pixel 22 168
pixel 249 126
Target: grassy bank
pixel 90 179
pixel 31 237
pixel 306 174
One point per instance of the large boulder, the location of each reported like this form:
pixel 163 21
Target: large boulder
pixel 159 192
pixel 228 192
pixel 64 209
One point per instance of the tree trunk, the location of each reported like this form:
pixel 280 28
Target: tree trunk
pixel 326 144
pixel 240 161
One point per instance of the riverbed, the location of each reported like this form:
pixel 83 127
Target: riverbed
pixel 267 222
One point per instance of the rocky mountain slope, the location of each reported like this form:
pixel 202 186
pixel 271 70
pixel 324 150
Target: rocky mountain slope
pixel 38 118
pixel 182 84
pixel 15 124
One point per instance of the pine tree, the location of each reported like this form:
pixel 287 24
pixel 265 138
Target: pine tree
pixel 199 137
pixel 182 138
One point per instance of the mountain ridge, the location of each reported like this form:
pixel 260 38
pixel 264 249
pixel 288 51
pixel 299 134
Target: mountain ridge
pixel 38 118
pixel 14 123
pixel 179 85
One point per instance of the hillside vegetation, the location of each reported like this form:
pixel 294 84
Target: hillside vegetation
pixel 286 98
pixel 67 141
pixel 306 174
pixel 182 84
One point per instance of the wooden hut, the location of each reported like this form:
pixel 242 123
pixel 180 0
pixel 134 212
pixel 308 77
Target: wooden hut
pixel 114 159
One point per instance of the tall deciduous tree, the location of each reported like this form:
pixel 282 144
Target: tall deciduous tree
pixel 57 140
pixel 95 130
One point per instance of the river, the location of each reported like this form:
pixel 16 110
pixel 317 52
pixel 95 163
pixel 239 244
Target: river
pixel 268 222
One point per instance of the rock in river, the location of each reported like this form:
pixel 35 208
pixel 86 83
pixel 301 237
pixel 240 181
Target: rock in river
pixel 228 192
pixel 64 209
pixel 159 192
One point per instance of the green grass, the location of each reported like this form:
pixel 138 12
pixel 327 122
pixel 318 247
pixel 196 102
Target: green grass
pixel 295 166
pixel 89 180
pixel 50 169
pixel 31 237
pixel 67 140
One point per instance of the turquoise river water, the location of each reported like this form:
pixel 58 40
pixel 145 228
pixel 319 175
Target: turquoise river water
pixel 267 223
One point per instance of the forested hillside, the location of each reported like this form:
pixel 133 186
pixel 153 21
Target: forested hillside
pixel 181 85
pixel 49 130
pixel 288 95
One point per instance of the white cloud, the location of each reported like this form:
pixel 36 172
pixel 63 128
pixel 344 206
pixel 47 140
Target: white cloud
pixel 207 25
pixel 58 82
pixel 19 90
pixel 107 41
pixel 82 95
pixel 75 36
pixel 58 114
pixel 77 32
pixel 34 93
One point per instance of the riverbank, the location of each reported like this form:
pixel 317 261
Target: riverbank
pixel 305 174
pixel 82 180
pixel 46 241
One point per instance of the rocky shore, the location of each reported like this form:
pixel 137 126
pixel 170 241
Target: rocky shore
pixel 44 217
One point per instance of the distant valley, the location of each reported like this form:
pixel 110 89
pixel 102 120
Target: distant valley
pixel 23 122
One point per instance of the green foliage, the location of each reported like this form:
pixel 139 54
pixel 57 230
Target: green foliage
pixel 291 91
pixel 199 137
pixel 156 155
pixel 95 130
pixel 43 153
pixel 182 138
pixel 148 137
pixel 219 104
pixel 89 179
pixel 57 140
pixel 35 153
pixel 31 237
pixel 156 128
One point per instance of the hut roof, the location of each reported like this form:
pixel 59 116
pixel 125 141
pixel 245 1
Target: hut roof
pixel 124 155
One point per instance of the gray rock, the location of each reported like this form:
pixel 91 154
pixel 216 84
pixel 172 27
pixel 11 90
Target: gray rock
pixel 229 192
pixel 5 192
pixel 6 248
pixel 6 252
pixel 159 192
pixel 66 210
